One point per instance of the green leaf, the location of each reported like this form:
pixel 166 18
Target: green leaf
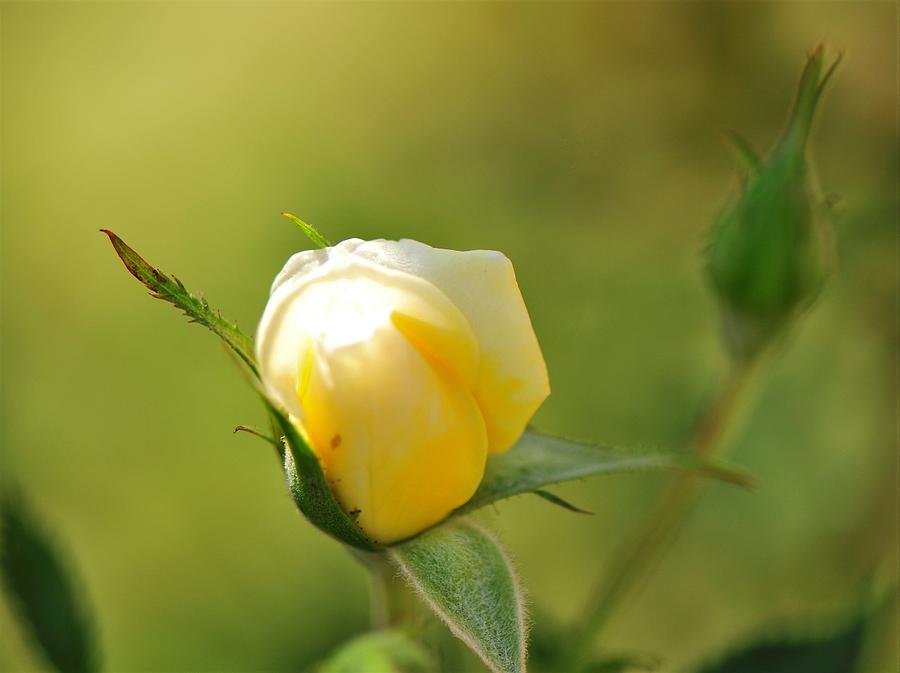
pixel 463 574
pixel 310 489
pixel 311 232
pixel 41 588
pixel 538 460
pixel 171 289
pixel 389 651
pixel 837 653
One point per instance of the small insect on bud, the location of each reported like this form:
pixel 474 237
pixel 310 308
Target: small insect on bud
pixel 768 254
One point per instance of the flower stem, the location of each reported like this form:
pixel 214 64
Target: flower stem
pixel 669 514
pixel 389 603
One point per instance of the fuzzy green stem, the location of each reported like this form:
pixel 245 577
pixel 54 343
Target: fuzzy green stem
pixel 389 603
pixel 671 511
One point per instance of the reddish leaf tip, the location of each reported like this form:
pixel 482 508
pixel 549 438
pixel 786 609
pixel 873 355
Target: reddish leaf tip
pixel 113 238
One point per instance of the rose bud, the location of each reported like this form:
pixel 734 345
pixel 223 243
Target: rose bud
pixel 767 255
pixel 403 366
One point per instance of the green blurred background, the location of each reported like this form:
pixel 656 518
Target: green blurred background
pixel 581 140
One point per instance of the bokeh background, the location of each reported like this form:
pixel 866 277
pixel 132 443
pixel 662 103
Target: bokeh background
pixel 582 140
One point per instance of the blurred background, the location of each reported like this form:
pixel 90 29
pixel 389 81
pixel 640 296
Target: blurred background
pixel 580 139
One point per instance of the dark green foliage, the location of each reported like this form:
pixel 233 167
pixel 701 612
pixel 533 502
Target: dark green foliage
pixel 837 653
pixel 171 289
pixel 624 664
pixel 767 256
pixel 538 460
pixel 42 590
pixel 549 652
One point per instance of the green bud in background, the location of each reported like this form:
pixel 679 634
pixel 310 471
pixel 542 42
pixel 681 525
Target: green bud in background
pixel 768 252
pixel 385 651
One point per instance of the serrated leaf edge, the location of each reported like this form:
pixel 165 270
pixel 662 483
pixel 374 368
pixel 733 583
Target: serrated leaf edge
pixel 195 307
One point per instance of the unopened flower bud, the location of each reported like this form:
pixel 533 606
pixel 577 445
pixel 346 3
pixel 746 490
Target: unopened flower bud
pixel 768 256
pixel 404 365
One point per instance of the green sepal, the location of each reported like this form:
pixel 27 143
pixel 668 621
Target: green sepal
pixel 42 591
pixel 809 92
pixel 464 575
pixel 310 489
pixel 538 460
pixel 560 502
pixel 170 289
pixel 386 651
pixel 311 232
pixel 744 155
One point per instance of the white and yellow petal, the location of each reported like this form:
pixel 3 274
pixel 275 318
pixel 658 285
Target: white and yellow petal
pixel 404 365
pixel 513 380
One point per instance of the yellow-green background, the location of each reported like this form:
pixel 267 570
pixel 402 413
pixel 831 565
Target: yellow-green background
pixel 581 140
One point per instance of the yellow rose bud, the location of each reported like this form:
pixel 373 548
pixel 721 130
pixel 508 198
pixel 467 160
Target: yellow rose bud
pixel 404 365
